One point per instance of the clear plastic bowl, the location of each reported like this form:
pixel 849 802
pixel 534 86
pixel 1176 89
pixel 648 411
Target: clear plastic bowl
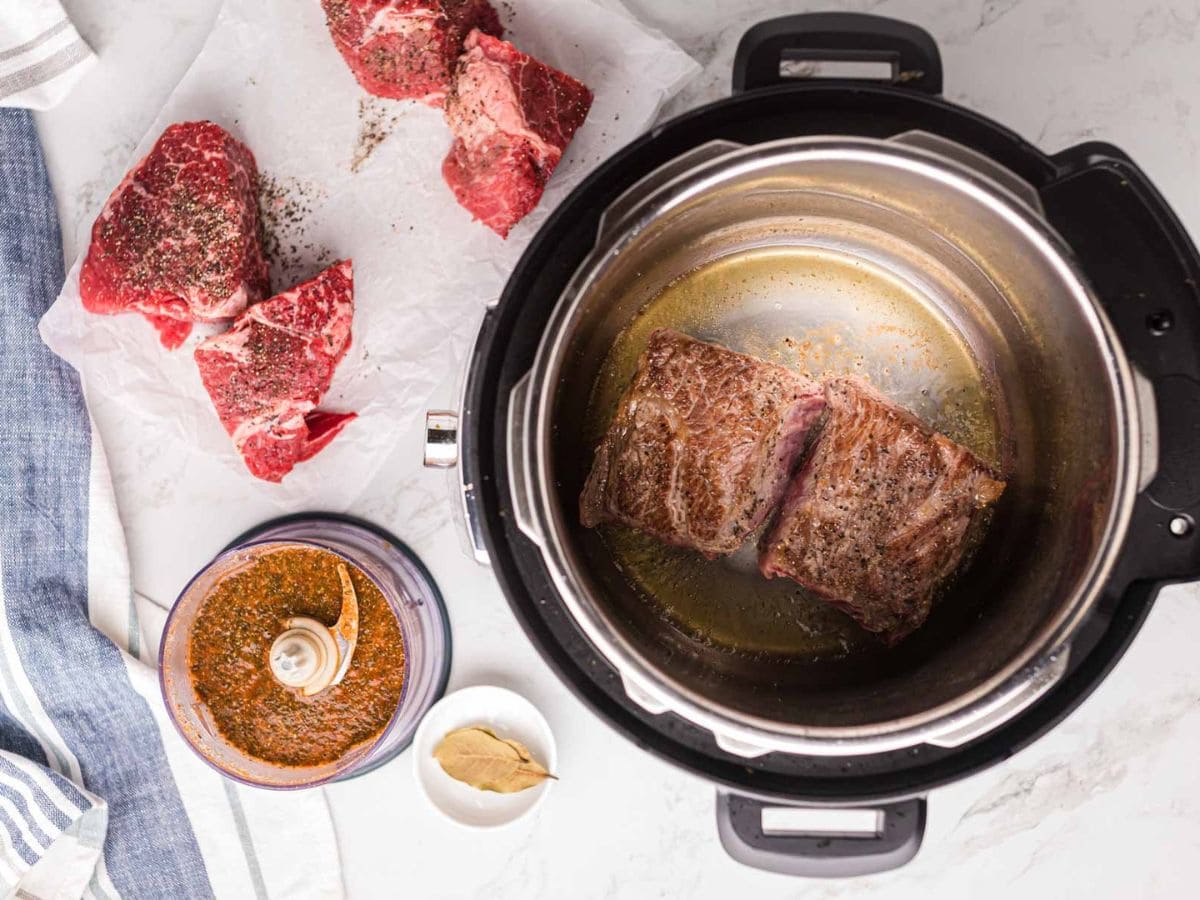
pixel 409 590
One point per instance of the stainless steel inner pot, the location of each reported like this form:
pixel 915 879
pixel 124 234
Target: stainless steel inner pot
pixel 916 263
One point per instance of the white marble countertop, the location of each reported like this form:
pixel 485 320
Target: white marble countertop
pixel 1107 805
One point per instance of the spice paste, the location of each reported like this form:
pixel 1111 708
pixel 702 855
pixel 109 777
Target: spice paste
pixel 228 660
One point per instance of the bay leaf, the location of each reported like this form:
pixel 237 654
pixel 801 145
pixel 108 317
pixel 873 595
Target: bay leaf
pixel 476 756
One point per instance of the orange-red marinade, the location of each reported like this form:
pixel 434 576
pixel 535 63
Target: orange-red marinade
pixel 228 658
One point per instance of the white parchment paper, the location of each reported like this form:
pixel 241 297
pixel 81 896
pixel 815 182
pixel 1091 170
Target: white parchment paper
pixel 349 175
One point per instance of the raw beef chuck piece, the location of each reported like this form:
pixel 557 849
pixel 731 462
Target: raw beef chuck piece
pixel 267 374
pixel 178 240
pixel 405 49
pixel 512 118
pixel 880 514
pixel 701 446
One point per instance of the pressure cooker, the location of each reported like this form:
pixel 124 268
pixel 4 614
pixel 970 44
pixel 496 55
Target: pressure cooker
pixel 1060 286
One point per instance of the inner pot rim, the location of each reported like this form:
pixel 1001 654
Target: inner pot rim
pixel 993 700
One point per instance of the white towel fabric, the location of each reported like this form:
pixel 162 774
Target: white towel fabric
pixel 99 795
pixel 41 54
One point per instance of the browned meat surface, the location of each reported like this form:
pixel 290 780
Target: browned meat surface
pixel 702 445
pixel 880 513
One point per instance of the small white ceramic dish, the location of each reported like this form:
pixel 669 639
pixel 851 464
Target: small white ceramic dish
pixel 509 715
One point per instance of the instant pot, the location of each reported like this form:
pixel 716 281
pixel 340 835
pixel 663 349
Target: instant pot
pixel 1064 279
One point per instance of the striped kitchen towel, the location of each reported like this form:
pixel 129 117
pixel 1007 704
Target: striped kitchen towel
pixel 99 797
pixel 41 53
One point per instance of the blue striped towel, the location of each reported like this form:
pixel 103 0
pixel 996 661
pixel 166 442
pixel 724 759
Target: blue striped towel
pixel 99 797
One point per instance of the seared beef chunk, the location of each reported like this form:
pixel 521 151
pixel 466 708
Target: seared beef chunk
pixel 880 513
pixel 702 445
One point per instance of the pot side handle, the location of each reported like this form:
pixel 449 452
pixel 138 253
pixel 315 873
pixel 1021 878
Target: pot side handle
pixel 867 840
pixel 442 451
pixel 1146 273
pixel 837 46
pixel 520 481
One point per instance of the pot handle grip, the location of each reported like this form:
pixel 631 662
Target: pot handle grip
pixel 1146 270
pixel 442 435
pixel 765 836
pixel 840 46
